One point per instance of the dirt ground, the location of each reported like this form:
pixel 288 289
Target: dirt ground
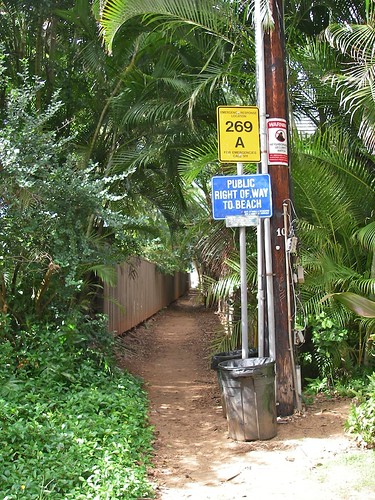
pixel 194 457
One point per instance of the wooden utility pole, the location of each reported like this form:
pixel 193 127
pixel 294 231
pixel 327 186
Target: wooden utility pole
pixel 277 108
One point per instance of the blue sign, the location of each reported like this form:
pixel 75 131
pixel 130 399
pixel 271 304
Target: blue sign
pixel 234 195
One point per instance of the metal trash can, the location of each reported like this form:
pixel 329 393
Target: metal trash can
pixel 227 356
pixel 249 395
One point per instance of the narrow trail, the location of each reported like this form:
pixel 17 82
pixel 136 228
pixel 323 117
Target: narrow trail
pixel 194 458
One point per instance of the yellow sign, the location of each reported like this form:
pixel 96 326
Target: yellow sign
pixel 238 134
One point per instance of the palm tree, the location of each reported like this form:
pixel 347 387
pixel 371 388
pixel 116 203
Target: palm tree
pixel 355 83
pixel 336 225
pixel 170 104
pixel 230 35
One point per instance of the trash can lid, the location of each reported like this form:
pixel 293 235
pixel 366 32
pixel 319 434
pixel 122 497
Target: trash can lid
pixel 226 356
pixel 249 364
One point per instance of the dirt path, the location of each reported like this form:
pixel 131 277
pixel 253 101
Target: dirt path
pixel 195 459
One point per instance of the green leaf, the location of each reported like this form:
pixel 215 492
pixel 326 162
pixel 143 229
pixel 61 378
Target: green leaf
pixel 356 303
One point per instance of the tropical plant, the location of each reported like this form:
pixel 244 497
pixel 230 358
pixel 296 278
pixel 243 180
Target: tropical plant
pixel 331 169
pixel 333 258
pixel 361 419
pixel 333 213
pixel 47 201
pixel 332 358
pixel 355 83
pixel 356 303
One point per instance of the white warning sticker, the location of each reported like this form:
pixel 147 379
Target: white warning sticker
pixel 277 141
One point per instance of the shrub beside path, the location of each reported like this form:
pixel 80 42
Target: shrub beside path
pixel 311 455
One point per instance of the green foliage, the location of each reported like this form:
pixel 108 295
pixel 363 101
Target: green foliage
pixel 69 426
pixel 355 83
pixel 51 253
pixel 358 304
pixel 331 354
pixel 353 387
pixel 55 352
pixel 118 12
pixel 361 420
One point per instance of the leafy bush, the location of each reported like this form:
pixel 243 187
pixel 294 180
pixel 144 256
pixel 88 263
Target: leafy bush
pixel 57 352
pixel 330 355
pixel 58 235
pixel 70 427
pixel 361 420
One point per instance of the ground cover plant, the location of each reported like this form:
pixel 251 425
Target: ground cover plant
pixel 70 427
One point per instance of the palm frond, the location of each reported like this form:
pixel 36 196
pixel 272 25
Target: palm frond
pixel 201 14
pixel 358 40
pixel 366 235
pixel 106 273
pixel 330 172
pixel 332 178
pixel 150 113
pixel 195 162
pixel 360 305
pixel 356 83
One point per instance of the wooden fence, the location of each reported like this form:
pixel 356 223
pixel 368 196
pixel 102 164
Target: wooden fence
pixel 140 292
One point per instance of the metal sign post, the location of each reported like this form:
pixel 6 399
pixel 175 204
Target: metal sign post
pixel 244 318
pixel 242 199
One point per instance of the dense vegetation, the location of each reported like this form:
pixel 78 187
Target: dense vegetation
pixel 70 426
pixel 107 148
